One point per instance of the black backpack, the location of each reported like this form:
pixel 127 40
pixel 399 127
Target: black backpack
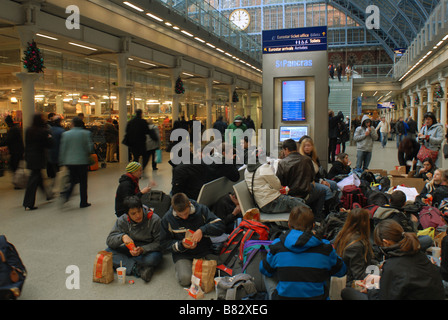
pixel 12 271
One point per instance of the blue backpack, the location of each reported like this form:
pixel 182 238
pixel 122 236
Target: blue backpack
pixel 12 271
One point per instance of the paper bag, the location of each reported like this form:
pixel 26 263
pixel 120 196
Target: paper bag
pixel 103 271
pixel 205 271
pixel 252 214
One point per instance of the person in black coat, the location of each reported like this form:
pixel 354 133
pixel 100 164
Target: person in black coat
pixel 333 133
pixel 37 142
pixel 136 131
pixel 340 167
pixel 14 142
pixel 407 273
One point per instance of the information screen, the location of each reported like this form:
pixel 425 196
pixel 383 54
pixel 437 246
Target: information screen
pixel 293 100
pixel 293 132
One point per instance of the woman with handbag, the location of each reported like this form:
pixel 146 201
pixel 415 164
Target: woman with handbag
pixel 430 137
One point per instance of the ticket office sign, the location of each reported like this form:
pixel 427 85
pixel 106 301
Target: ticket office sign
pixel 295 40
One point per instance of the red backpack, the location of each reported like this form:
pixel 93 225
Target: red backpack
pixel 352 194
pixel 430 217
pixel 233 249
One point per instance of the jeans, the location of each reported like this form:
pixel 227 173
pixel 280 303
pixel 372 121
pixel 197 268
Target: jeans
pixel 400 138
pixel 383 139
pixel 363 159
pixel 330 191
pixel 283 204
pixel 271 284
pixel 316 201
pixel 122 255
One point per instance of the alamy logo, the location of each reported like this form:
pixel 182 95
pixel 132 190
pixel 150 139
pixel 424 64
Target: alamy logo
pixel 72 21
pixel 373 20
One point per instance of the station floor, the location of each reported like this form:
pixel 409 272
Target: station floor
pixel 54 237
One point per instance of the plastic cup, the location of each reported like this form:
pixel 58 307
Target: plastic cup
pixel 121 273
pixel 436 251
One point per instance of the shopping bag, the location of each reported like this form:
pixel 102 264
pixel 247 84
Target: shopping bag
pixel 205 271
pixel 103 271
pixel 158 156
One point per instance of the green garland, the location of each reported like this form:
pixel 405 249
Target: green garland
pixel 179 88
pixel 235 97
pixel 439 92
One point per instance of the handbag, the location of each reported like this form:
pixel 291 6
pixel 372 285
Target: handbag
pixel 158 156
pixel 424 153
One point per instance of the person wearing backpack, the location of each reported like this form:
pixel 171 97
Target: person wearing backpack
pixel 186 214
pixel 299 265
pixel 406 274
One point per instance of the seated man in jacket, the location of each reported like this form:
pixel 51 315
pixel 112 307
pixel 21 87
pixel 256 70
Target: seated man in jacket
pixel 297 172
pixel 299 265
pixel 265 187
pixel 340 167
pixel 128 186
pixel 184 215
pixel 135 240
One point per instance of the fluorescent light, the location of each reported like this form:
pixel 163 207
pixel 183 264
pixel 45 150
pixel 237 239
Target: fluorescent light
pixel 94 60
pixel 188 74
pixel 169 24
pixel 187 33
pixel 176 28
pixel 210 45
pixel 199 39
pixel 45 36
pixel 133 6
pixel 220 50
pixel 154 17
pixel 80 45
pixel 439 43
pixel 149 64
pixel 445 37
pixel 14 100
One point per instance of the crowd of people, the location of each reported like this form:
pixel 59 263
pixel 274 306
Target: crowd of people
pixel 300 262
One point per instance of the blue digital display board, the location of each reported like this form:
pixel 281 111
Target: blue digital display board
pixel 293 100
pixel 295 40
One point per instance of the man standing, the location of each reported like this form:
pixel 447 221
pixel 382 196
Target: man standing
pixel 75 151
pixel 412 132
pixel 401 128
pixel 384 129
pixel 136 131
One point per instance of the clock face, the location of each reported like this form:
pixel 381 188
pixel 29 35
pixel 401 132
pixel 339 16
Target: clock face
pixel 240 18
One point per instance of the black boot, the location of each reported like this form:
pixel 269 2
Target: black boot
pixel 145 272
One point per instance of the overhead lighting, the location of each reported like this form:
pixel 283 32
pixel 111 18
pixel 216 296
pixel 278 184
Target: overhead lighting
pixel 199 39
pixel 133 6
pixel 176 28
pixel 149 64
pixel 94 60
pixel 220 50
pixel 169 24
pixel 154 17
pixel 14 100
pixel 81 46
pixel 45 36
pixel 187 33
pixel 445 37
pixel 210 45
pixel 188 74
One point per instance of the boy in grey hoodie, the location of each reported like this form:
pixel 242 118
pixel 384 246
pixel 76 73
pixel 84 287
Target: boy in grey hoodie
pixel 364 137
pixel 135 240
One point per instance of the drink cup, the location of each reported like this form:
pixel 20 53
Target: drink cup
pixel 436 251
pixel 121 272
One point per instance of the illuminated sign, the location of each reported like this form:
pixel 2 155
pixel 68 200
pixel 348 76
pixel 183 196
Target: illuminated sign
pixel 295 40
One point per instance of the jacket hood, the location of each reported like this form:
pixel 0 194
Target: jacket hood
pixel 124 177
pixel 395 251
pixel 299 241
pixel 364 118
pixel 435 125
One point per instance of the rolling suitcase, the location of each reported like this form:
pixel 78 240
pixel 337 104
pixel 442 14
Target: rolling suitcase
pixel 158 200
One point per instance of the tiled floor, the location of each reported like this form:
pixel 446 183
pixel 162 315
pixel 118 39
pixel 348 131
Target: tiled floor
pixel 53 237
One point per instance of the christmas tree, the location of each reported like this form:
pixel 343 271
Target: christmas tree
pixel 33 60
pixel 235 96
pixel 179 89
pixel 439 92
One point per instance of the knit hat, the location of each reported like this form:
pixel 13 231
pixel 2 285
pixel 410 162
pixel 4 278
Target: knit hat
pixel 133 166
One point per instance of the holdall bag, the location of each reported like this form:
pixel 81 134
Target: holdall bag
pixel 424 153
pixel 158 201
pixel 430 217
pixel 12 271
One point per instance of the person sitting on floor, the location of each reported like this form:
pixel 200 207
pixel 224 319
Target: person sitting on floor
pixel 128 186
pixel 265 187
pixel 299 265
pixel 141 227
pixel 297 172
pixel 407 273
pixel 340 167
pixel 228 209
pixel 426 172
pixel 442 191
pixel 184 215
pixel 352 243
pixel 431 186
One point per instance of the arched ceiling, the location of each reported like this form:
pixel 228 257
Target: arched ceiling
pixel 400 21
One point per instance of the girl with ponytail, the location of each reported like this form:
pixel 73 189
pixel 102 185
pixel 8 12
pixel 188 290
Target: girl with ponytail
pixel 407 273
